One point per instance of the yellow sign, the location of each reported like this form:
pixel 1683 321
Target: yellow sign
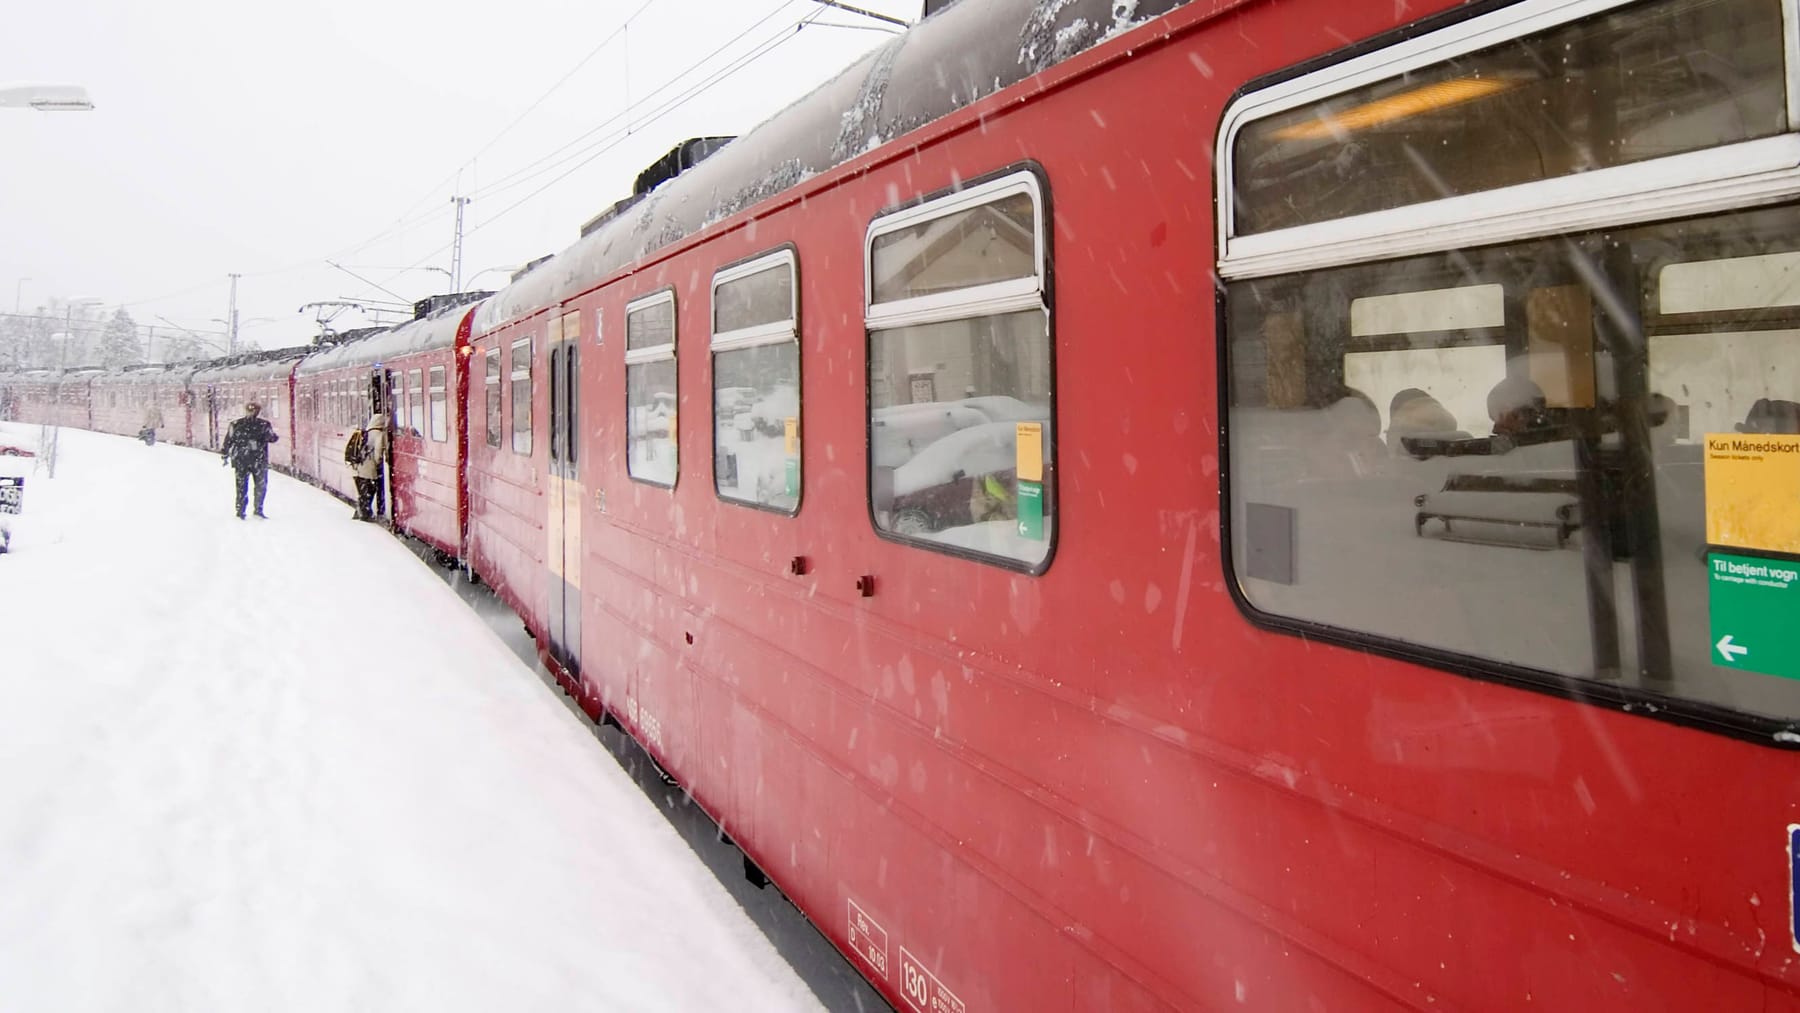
pixel 674 434
pixel 793 436
pixel 1030 454
pixel 1753 491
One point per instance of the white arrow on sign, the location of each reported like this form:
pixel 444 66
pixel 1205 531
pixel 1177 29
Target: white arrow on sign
pixel 1729 650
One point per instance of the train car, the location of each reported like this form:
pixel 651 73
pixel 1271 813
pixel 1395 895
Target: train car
pixel 428 361
pixel 506 400
pixel 1116 515
pixel 336 389
pixel 172 394
pixel 73 402
pixel 121 397
pixel 224 386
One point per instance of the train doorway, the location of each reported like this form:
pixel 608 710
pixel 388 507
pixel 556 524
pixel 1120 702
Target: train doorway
pixel 564 495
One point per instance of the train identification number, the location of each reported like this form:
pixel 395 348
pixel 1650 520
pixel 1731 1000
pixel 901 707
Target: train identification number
pixel 923 991
pixel 868 940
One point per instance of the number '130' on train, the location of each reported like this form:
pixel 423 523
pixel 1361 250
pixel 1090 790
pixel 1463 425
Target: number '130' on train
pixel 1175 505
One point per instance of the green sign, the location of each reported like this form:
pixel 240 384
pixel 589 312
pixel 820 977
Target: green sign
pixel 793 476
pixel 1031 510
pixel 1754 603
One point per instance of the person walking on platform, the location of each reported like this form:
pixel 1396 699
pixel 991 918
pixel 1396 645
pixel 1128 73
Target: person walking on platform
pixel 153 420
pixel 368 467
pixel 246 449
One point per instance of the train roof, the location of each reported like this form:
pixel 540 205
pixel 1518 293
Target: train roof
pixel 958 56
pixel 260 367
pixel 435 331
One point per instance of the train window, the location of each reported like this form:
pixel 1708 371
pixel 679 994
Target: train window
pixel 438 415
pixel 756 383
pixel 493 397
pixel 520 381
pixel 1543 456
pixel 1634 83
pixel 650 401
pixel 960 383
pixel 415 402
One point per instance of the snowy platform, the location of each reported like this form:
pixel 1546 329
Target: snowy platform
pixel 278 765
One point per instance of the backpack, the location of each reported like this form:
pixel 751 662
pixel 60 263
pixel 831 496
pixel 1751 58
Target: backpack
pixel 356 449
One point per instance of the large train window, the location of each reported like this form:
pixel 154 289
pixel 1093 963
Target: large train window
pixel 520 380
pixel 756 383
pixel 650 402
pixel 492 386
pixel 1542 446
pixel 437 408
pixel 960 380
pixel 415 402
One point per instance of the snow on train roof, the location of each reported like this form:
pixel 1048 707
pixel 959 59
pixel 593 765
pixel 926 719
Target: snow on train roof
pixel 140 375
pixel 435 331
pixel 958 56
pixel 264 367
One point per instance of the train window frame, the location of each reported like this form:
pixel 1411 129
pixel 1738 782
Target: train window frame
pixel 1035 293
pixel 437 408
pixel 1727 181
pixel 518 376
pixel 1761 170
pixel 763 335
pixel 416 423
pixel 493 415
pixel 650 355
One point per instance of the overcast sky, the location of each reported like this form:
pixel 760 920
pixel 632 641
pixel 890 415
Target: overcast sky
pixel 266 139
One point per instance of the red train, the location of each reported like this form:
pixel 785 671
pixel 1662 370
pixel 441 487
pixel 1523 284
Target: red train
pixel 1186 504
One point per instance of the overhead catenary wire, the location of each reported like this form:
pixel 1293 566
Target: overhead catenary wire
pixel 618 137
pixel 557 157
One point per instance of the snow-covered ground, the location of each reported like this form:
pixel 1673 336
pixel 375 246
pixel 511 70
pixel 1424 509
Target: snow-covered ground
pixel 278 765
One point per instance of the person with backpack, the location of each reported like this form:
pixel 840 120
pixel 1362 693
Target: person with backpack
pixel 365 452
pixel 246 449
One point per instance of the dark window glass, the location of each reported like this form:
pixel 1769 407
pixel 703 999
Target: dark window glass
pixel 993 242
pixel 756 415
pixel 650 326
pixel 439 417
pixel 766 297
pixel 1504 452
pixel 415 402
pixel 650 421
pixel 493 397
pixel 1636 83
pixel 520 381
pixel 948 404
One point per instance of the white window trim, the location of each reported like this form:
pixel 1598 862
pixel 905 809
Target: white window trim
pixel 986 300
pixel 655 353
pixel 938 305
pixel 648 302
pixel 1759 171
pixel 753 337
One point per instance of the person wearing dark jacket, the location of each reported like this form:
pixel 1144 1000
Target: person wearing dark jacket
pixel 246 449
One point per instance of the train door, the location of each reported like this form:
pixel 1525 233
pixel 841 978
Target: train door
pixel 381 401
pixel 212 418
pixel 564 495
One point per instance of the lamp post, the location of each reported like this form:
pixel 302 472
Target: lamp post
pixel 62 354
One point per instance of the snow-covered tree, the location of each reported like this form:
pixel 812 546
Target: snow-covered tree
pixel 119 344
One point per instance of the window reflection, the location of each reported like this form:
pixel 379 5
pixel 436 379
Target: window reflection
pixel 1528 488
pixel 1639 83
